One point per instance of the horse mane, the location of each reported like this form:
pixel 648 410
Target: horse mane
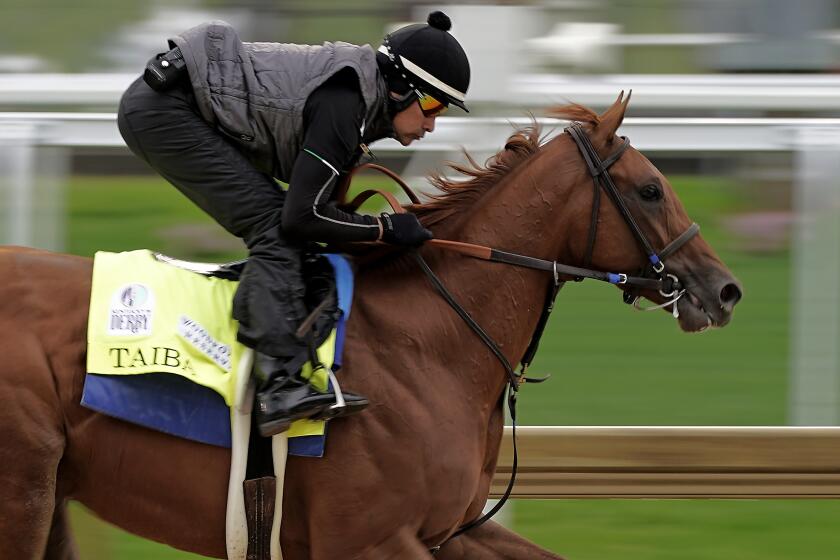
pixel 457 196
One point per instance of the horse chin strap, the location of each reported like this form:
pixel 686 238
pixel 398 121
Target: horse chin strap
pixel 677 291
pixel 675 294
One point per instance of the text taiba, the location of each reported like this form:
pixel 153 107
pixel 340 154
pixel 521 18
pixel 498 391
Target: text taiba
pixel 155 356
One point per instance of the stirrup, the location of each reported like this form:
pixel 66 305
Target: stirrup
pixel 340 404
pixel 339 395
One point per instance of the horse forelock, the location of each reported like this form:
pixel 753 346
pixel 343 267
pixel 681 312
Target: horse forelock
pixel 457 196
pixel 575 112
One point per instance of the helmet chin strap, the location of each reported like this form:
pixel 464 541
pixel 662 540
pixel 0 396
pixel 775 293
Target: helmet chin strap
pixel 397 78
pixel 399 104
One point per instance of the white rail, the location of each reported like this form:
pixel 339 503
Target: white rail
pixel 703 91
pixel 486 134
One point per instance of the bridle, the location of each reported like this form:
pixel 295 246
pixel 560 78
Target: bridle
pixel 654 276
pixel 666 283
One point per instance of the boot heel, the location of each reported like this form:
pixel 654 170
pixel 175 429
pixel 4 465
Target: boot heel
pixel 269 429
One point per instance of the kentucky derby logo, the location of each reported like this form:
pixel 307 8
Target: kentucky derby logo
pixel 133 295
pixel 131 311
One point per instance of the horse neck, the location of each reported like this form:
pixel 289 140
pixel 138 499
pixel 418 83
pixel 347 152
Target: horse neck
pixel 528 212
pixel 524 214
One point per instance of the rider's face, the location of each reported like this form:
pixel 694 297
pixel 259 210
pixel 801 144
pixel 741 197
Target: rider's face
pixel 411 124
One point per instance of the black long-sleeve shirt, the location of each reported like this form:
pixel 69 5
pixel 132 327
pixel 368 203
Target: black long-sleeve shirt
pixel 333 120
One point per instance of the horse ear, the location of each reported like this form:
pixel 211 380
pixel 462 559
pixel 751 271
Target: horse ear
pixel 612 117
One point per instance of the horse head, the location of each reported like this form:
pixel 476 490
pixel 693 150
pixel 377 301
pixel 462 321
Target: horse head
pixel 607 240
pixel 604 207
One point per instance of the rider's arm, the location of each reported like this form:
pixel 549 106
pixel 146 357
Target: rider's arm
pixel 332 120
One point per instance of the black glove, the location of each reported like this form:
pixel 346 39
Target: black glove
pixel 403 229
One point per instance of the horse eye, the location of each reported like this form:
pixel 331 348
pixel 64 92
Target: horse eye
pixel 651 192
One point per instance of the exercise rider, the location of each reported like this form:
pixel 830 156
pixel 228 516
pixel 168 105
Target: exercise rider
pixel 221 119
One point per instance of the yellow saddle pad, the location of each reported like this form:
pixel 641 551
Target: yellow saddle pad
pixel 147 316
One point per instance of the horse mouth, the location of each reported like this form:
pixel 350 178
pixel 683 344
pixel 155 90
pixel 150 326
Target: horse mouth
pixel 695 315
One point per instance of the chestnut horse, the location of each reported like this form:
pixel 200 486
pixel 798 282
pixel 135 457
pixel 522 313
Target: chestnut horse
pixel 405 474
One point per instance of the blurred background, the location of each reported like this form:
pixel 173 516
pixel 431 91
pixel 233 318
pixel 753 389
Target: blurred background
pixel 736 101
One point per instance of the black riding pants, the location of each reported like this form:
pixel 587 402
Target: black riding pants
pixel 165 130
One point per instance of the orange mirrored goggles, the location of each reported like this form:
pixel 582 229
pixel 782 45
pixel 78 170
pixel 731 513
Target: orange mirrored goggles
pixel 430 106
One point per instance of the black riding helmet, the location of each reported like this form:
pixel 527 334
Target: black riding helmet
pixel 425 58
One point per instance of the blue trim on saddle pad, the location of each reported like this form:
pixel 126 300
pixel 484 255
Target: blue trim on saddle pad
pixel 174 405
pixel 344 288
pixel 161 401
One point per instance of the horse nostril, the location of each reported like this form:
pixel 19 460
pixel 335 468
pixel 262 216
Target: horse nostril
pixel 729 296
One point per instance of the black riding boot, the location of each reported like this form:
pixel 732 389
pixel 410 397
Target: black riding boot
pixel 284 397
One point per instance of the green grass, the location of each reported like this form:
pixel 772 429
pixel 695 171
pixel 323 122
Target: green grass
pixel 683 530
pixel 611 366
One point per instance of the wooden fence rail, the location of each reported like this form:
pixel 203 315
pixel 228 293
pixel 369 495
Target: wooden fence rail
pixel 672 462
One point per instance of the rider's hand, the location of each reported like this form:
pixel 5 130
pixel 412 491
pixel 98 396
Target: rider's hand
pixel 403 229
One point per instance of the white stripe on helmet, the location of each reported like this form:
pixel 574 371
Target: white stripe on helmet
pixel 423 75
pixel 431 80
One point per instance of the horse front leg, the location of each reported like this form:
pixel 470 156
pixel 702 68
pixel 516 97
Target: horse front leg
pixel 401 544
pixel 491 541
pixel 60 545
pixel 31 447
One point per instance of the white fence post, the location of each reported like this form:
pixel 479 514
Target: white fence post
pixel 17 160
pixel 31 187
pixel 815 298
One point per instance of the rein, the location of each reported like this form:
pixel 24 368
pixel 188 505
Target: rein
pixel 666 283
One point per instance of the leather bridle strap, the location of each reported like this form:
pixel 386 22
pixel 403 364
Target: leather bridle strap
pixel 599 173
pixel 593 224
pixel 599 170
pixel 683 238
pixel 341 190
pixel 575 271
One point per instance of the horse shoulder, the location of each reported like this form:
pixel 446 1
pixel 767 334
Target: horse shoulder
pixel 44 300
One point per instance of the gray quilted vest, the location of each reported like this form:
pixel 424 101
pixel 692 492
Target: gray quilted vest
pixel 254 93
